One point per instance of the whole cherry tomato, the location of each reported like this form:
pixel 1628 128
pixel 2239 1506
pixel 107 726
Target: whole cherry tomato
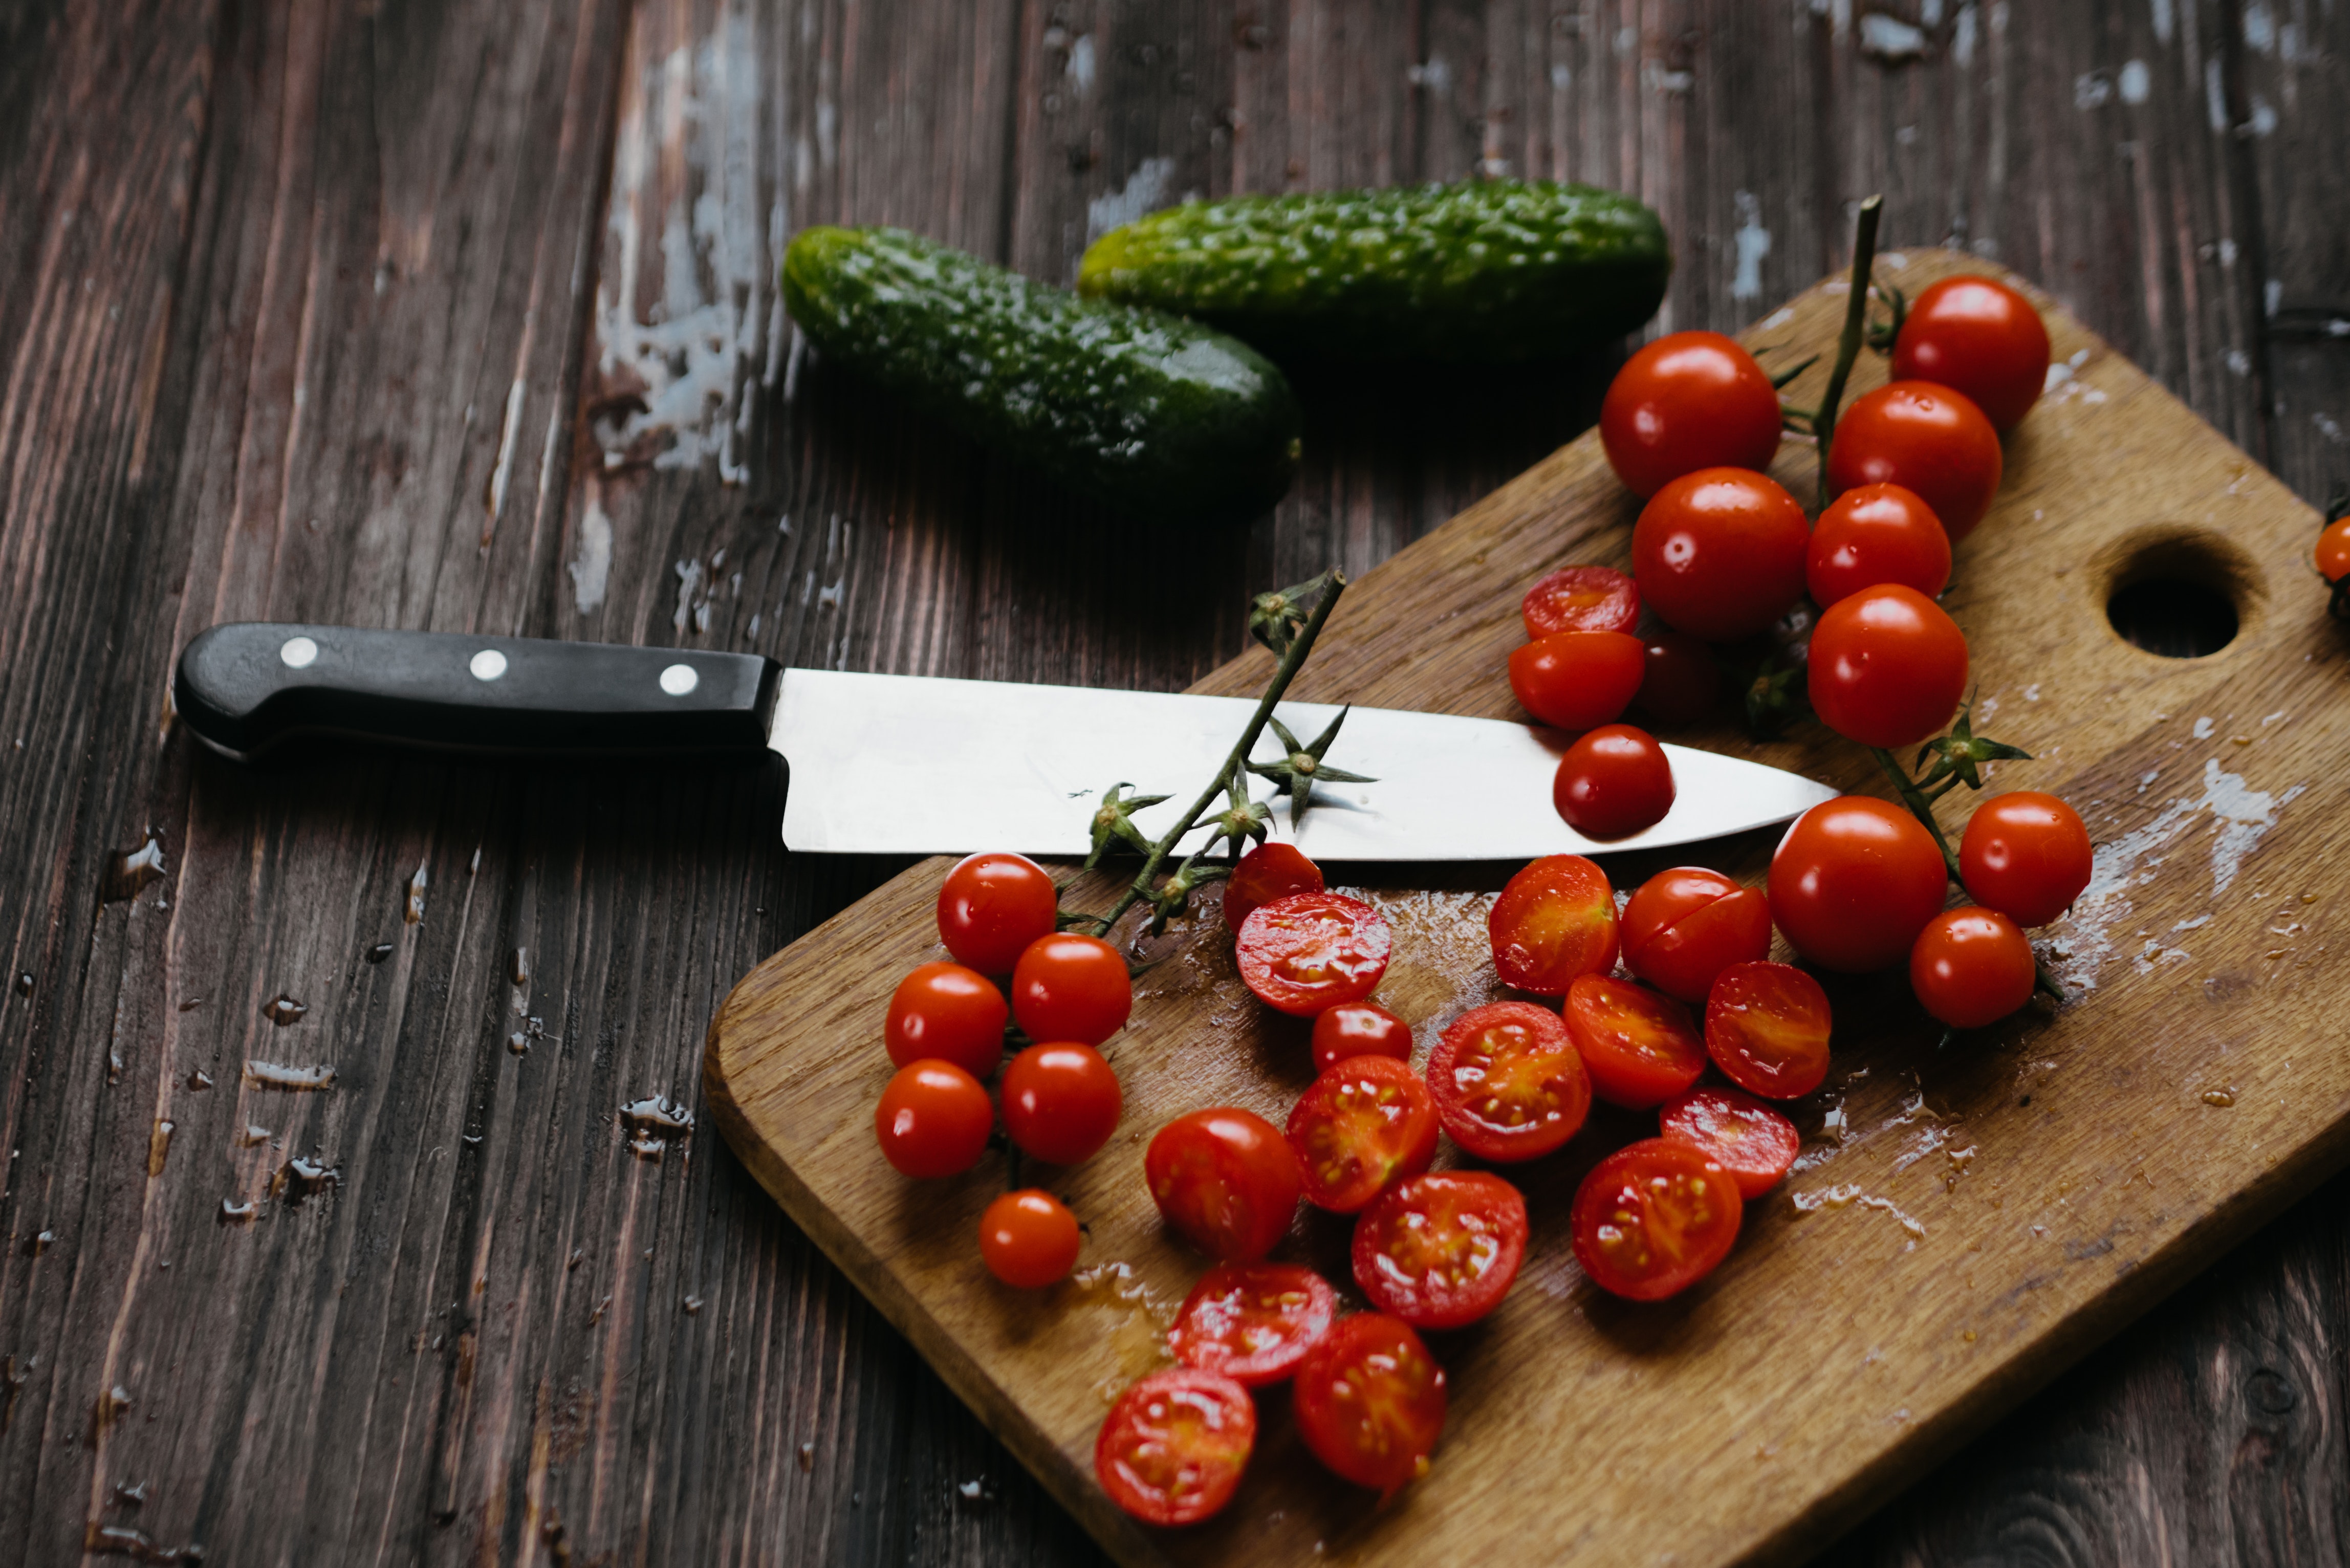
pixel 1687 401
pixel 1687 925
pixel 1767 1028
pixel 1641 1049
pixel 1740 1134
pixel 2333 551
pixel 1028 1239
pixel 1720 553
pixel 1678 682
pixel 1268 872
pixel 1653 1218
pixel 1365 1125
pixel 1172 1448
pixel 1440 1250
pixel 1369 1402
pixel 1924 437
pixel 1971 967
pixel 992 907
pixel 1853 882
pixel 1359 1029
pixel 1226 1181
pixel 1060 1102
pixel 1576 680
pixel 1071 987
pixel 1979 336
pixel 1312 950
pixel 2026 855
pixel 933 1120
pixel 949 1013
pixel 1508 1082
pixel 1876 533
pixel 1555 920
pixel 1253 1322
pixel 1887 668
pixel 1613 782
pixel 1581 598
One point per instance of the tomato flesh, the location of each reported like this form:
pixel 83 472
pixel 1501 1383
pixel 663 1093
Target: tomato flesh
pixel 947 1013
pixel 1971 967
pixel 1887 667
pixel 1369 1402
pixel 1508 1082
pixel 1750 1140
pixel 1268 872
pixel 1853 882
pixel 1766 1027
pixel 1555 920
pixel 1685 926
pixel 1028 1239
pixel 1366 1124
pixel 1440 1250
pixel 1686 401
pixel 1578 680
pixel 1613 783
pixel 1874 534
pixel 1226 1181
pixel 1359 1029
pixel 1061 1102
pixel 932 1120
pixel 1720 553
pixel 1312 950
pixel 991 905
pixel 1929 440
pixel 1653 1218
pixel 2026 855
pixel 1581 598
pixel 1641 1049
pixel 1253 1322
pixel 1980 337
pixel 1172 1448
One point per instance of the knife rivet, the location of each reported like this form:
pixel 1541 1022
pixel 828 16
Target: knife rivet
pixel 488 664
pixel 679 678
pixel 298 652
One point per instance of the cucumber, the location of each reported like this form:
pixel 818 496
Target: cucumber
pixel 1492 272
pixel 1143 410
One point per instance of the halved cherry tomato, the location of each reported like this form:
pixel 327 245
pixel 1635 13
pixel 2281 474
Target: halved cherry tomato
pixel 1359 1029
pixel 1365 1125
pixel 1687 925
pixel 1720 553
pixel 1369 1402
pixel 1767 1027
pixel 1508 1081
pixel 1980 337
pixel 1924 437
pixel 1581 598
pixel 1555 920
pixel 2026 855
pixel 1855 881
pixel 1876 533
pixel 1641 1049
pixel 1028 1239
pixel 948 1012
pixel 1687 401
pixel 1312 950
pixel 2333 556
pixel 933 1120
pixel 1613 783
pixel 1253 1322
pixel 1172 1448
pixel 1071 987
pixel 1887 668
pixel 992 907
pixel 1678 682
pixel 1576 680
pixel 1653 1218
pixel 1061 1102
pixel 1226 1181
pixel 1971 967
pixel 1738 1132
pixel 1440 1250
pixel 1269 871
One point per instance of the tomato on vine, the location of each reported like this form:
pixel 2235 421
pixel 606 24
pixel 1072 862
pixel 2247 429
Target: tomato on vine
pixel 932 1120
pixel 1555 920
pixel 1876 533
pixel 1613 782
pixel 1226 1181
pixel 1508 1082
pixel 1578 680
pixel 1720 553
pixel 1061 1102
pixel 1369 1402
pixel 2333 556
pixel 1028 1239
pixel 1971 967
pixel 1687 925
pixel 1253 1322
pixel 1581 598
pixel 1853 882
pixel 1887 667
pixel 946 1011
pixel 1071 987
pixel 1978 337
pixel 1767 1027
pixel 1172 1448
pixel 1641 1048
pixel 1312 950
pixel 1440 1250
pixel 1925 437
pixel 2026 855
pixel 1268 872
pixel 1686 401
pixel 1653 1218
pixel 1365 1125
pixel 992 907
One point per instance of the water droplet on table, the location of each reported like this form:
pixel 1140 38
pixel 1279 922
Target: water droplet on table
pixel 199 1079
pixel 38 1243
pixel 378 953
pixel 233 1212
pixel 159 1148
pixel 653 1123
pixel 416 885
pixel 274 1075
pixel 283 1010
pixel 130 871
pixel 301 1178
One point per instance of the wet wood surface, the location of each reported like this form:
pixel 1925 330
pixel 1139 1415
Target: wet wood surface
pixel 458 316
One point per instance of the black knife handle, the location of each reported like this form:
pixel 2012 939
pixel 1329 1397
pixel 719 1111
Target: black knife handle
pixel 244 688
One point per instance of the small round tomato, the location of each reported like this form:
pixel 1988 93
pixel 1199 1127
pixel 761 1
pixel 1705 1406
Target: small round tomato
pixel 1508 1082
pixel 1369 1402
pixel 933 1120
pixel 1876 533
pixel 1971 967
pixel 1359 1029
pixel 1720 553
pixel 1172 1448
pixel 1653 1218
pixel 1060 1102
pixel 1555 920
pixel 950 1013
pixel 2026 855
pixel 1253 1322
pixel 1687 401
pixel 993 905
pixel 1687 925
pixel 2333 556
pixel 1855 881
pixel 1613 783
pixel 1440 1250
pixel 1678 682
pixel 1641 1049
pixel 1739 1133
pixel 1226 1181
pixel 1581 598
pixel 1071 987
pixel 1978 337
pixel 1925 437
pixel 1767 1027
pixel 1268 872
pixel 1887 668
pixel 1365 1125
pixel 1576 680
pixel 1028 1239
pixel 1312 950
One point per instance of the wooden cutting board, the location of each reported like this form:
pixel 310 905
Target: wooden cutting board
pixel 1965 1222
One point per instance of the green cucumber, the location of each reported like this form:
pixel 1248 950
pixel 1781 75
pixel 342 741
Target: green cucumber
pixel 1143 410
pixel 1491 272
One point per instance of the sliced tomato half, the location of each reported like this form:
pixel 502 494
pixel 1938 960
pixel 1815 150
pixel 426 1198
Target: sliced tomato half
pixel 1508 1082
pixel 1172 1448
pixel 1253 1322
pixel 1366 1124
pixel 1654 1218
pixel 1440 1250
pixel 1312 950
pixel 1746 1138
pixel 1369 1401
pixel 1766 1027
pixel 1555 921
pixel 1641 1049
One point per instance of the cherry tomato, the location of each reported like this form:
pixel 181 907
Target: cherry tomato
pixel 2333 551
pixel 933 1120
pixel 948 1012
pixel 1641 1049
pixel 1253 1322
pixel 1172 1448
pixel 1060 1102
pixel 1979 336
pixel 1876 533
pixel 1613 783
pixel 1364 1126
pixel 1226 1181
pixel 1653 1218
pixel 1924 437
pixel 1028 1239
pixel 1887 667
pixel 1071 987
pixel 1766 1027
pixel 1440 1250
pixel 1508 1082
pixel 1687 401
pixel 992 907
pixel 1576 680
pixel 1312 950
pixel 1369 1402
pixel 1853 882
pixel 1581 598
pixel 1739 1133
pixel 1687 925
pixel 1971 967
pixel 1268 872
pixel 1720 553
pixel 2026 855
pixel 1555 920
pixel 1678 682
pixel 1359 1029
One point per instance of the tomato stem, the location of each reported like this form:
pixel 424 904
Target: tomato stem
pixel 1855 331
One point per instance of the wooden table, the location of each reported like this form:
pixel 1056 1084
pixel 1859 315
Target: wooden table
pixel 461 315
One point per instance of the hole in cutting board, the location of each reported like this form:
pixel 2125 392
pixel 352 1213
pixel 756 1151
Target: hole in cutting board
pixel 2180 594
